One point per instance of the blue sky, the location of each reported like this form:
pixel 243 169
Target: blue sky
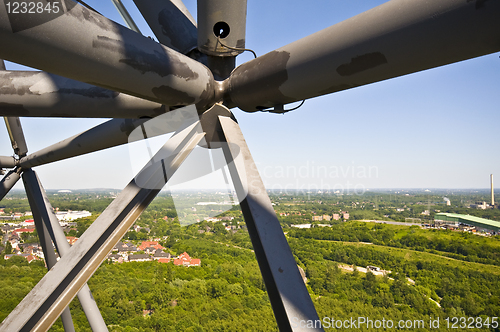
pixel 433 129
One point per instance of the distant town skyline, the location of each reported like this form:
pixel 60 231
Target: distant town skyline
pixel 433 129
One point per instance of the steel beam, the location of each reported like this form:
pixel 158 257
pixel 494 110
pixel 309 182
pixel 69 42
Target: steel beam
pixel 287 292
pixel 16 135
pixel 40 308
pixel 106 135
pixel 45 212
pixel 125 15
pixel 9 181
pixel 46 243
pixel 39 94
pixel 221 22
pixel 394 39
pixel 7 162
pixel 101 52
pixel 171 23
pixel 109 134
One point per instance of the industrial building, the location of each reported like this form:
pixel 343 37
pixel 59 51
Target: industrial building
pixel 480 224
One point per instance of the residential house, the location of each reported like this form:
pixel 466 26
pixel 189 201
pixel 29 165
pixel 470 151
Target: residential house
pixel 28 257
pixel 150 250
pixel 163 260
pixel 139 258
pixel 115 258
pixel 28 223
pixel 160 254
pixel 185 260
pixel 124 249
pixel 19 231
pixel 146 244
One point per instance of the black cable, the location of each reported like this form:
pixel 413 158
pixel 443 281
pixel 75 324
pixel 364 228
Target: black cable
pixel 293 109
pixel 237 49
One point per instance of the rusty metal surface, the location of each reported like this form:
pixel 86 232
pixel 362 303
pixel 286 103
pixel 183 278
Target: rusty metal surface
pixel 39 94
pixel 394 39
pixel 100 52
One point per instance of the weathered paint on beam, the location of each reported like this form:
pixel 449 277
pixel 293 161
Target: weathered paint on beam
pixel 16 135
pixel 397 38
pixel 98 51
pixel 171 23
pixel 109 134
pixel 39 94
pixel 224 19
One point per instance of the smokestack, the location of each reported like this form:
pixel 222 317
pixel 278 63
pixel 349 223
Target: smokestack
pixel 492 192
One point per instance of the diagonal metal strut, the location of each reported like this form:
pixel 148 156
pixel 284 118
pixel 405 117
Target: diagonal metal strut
pixel 287 292
pixel 46 243
pixel 41 307
pixel 43 211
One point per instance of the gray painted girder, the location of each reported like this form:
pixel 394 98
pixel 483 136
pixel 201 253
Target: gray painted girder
pixel 9 181
pixel 394 39
pixel 287 292
pixel 45 238
pixel 100 52
pixel 7 162
pixel 171 23
pixel 39 94
pixel 16 135
pixel 106 135
pixel 41 307
pixel 44 211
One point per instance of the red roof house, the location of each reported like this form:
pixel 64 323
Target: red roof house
pixel 146 244
pixel 184 260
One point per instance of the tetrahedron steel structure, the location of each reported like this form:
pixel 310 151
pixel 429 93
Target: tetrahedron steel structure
pixel 93 67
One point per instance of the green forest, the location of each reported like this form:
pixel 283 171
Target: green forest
pixel 434 274
pixel 227 292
